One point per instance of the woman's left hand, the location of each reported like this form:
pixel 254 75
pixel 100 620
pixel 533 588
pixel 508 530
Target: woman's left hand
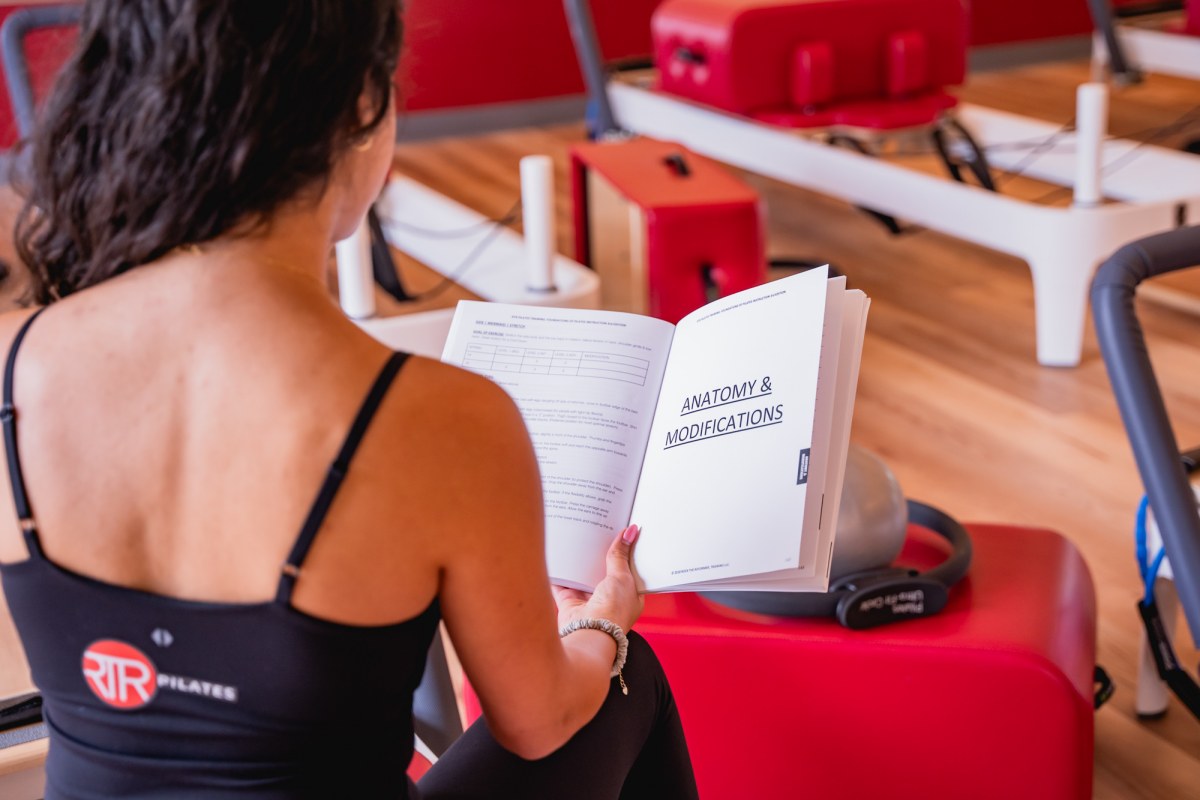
pixel 615 598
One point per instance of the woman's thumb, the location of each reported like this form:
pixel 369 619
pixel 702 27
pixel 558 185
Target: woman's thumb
pixel 622 548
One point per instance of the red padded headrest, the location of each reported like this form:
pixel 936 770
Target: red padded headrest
pixel 812 74
pixel 907 64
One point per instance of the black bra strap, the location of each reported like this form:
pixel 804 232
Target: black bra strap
pixel 8 418
pixel 335 476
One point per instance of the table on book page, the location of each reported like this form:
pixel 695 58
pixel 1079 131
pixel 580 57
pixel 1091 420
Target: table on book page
pixel 549 361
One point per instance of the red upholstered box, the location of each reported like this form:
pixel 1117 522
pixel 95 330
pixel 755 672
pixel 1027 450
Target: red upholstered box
pixel 804 63
pixel 992 698
pixel 692 213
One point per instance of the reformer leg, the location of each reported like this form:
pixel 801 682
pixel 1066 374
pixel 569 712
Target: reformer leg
pixel 1060 299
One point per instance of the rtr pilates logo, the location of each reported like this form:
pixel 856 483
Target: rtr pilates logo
pixel 119 674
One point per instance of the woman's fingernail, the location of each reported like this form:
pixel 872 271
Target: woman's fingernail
pixel 630 534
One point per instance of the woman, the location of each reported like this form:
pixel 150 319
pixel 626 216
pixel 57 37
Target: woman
pixel 199 625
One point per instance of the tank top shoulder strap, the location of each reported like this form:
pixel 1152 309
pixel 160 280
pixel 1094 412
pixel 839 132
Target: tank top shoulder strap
pixel 335 476
pixel 8 419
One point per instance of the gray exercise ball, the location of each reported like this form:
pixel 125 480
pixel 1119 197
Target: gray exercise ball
pixel 872 517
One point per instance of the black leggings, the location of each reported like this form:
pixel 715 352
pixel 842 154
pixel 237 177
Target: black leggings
pixel 632 749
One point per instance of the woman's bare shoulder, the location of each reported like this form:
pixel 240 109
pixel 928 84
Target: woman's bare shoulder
pixel 449 395
pixel 454 431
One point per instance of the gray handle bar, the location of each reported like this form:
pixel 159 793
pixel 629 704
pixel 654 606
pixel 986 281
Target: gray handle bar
pixel 1140 400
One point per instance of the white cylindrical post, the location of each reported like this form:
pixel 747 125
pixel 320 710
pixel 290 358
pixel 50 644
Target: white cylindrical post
pixel 1091 128
pixel 537 212
pixel 356 277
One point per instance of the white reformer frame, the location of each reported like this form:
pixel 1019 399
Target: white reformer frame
pixel 1063 246
pixel 499 273
pixel 1149 49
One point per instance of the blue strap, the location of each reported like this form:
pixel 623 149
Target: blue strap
pixel 1165 661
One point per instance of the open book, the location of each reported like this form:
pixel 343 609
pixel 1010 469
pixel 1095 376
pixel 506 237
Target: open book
pixel 723 437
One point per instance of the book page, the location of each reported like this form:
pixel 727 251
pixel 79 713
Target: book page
pixel 586 383
pixel 820 509
pixel 845 391
pixel 854 322
pixel 725 480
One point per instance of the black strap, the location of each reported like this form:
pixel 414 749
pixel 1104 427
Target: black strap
pixel 1164 658
pixel 335 476
pixel 8 417
pixel 1103 686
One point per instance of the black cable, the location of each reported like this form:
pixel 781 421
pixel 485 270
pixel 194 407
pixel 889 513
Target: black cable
pixel 1042 145
pixel 1123 160
pixel 1038 148
pixel 1034 154
pixel 1150 135
pixel 1158 131
pixel 493 226
pixel 510 217
pixel 1028 144
pixel 1180 123
pixel 465 265
pixel 1040 142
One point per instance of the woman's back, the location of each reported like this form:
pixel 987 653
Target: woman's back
pixel 185 420
pixel 195 484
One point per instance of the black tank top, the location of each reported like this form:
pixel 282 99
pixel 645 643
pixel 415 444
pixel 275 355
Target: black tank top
pixel 148 696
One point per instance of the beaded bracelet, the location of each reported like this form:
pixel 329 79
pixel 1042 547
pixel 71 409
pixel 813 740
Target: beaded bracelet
pixel 613 630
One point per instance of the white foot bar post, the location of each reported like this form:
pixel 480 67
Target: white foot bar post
pixel 1091 126
pixel 537 214
pixel 356 276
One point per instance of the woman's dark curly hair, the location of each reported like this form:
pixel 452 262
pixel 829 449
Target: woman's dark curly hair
pixel 177 121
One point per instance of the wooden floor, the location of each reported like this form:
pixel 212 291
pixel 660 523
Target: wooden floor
pixel 950 393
